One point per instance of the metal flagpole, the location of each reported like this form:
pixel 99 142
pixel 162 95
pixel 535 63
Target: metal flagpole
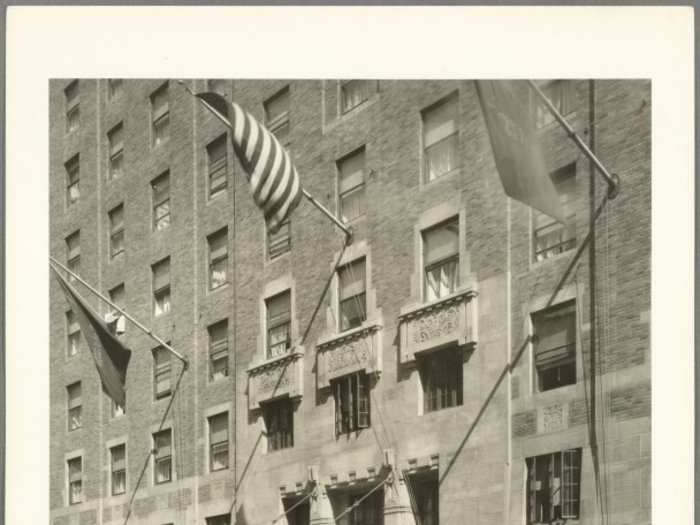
pixel 348 231
pixel 165 345
pixel 612 179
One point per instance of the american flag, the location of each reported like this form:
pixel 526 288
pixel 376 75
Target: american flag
pixel 274 180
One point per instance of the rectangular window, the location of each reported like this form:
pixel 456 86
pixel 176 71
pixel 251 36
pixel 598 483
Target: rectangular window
pixel 218 258
pixel 280 242
pixel 355 92
pixel 160 115
pixel 75 480
pixel 554 487
pixel 72 93
pixel 352 305
pixel 426 496
pixel 218 442
pixel 75 406
pixel 441 259
pixel 279 320
pixel 279 424
pixel 118 463
pixel 368 510
pixel 550 236
pixel 72 334
pixel 277 115
pixel 351 185
pixel 162 457
pixel 72 179
pixel 351 396
pixel 161 287
pixel 116 230
pixel 114 87
pixel 218 350
pixel 298 511
pixel 441 378
pixel 440 139
pixel 560 94
pixel 161 372
pixel 555 346
pixel 217 85
pixel 217 163
pixel 73 254
pixel 115 320
pixel 116 151
pixel 160 187
pixel 221 519
pixel 117 410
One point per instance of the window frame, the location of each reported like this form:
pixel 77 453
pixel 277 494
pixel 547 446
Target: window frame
pixel 165 458
pixel 116 151
pixel 74 405
pixel 70 481
pixel 217 258
pixel 273 240
pixel 360 187
pixel 454 259
pixel 425 487
pixel 368 88
pixel 218 350
pixel 350 393
pixel 72 105
pixel 271 325
pixel 162 293
pixel 282 120
pixel 217 168
pixel 569 497
pixel 565 183
pixel 116 231
pixel 444 391
pixel 568 363
pixel 348 266
pixel 358 516
pixel 71 333
pixel 72 169
pixel 213 445
pixel 122 471
pixel 160 371
pixel 453 137
pixel 160 117
pixel 279 430
pixel 563 103
pixel 160 198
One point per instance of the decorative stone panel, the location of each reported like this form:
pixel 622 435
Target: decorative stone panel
pixel 278 377
pixel 449 320
pixel 352 351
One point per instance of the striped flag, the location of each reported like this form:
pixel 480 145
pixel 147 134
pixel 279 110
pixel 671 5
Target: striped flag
pixel 274 180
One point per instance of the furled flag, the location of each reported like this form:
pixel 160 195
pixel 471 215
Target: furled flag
pixel 519 159
pixel 274 181
pixel 110 356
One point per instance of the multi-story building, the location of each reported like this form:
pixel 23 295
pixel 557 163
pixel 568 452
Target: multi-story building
pixel 435 380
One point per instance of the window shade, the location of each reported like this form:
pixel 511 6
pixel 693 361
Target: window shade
pixel 439 121
pixel 278 308
pixel 116 139
pixel 161 274
pixel 118 456
pixel 217 244
pixel 441 242
pixel 161 188
pixel 555 329
pixel 352 279
pixel 352 171
pixel 162 444
pixel 277 106
pixel 74 395
pixel 75 468
pixel 160 102
pixel 218 428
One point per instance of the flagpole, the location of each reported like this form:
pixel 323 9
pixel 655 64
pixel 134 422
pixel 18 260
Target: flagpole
pixel 612 179
pixel 325 211
pixel 165 345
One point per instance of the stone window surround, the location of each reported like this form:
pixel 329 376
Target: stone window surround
pixel 109 444
pixel 153 429
pixel 567 293
pixel 435 102
pixel 207 413
pixel 77 453
pixel 329 125
pixel 272 288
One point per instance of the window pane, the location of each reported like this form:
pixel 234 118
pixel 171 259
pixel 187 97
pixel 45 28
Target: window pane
pixel 280 242
pixel 355 92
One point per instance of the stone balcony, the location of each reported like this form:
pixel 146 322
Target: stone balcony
pixel 278 377
pixel 351 351
pixel 450 320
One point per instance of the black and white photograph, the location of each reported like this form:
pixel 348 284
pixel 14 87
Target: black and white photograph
pixel 357 298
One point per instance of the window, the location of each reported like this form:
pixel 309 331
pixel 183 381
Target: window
pixel 160 115
pixel 75 480
pixel 351 396
pixel 72 334
pixel 298 511
pixel 279 317
pixel 280 242
pixel 218 442
pixel 75 406
pixel 115 320
pixel 279 424
pixel 440 139
pixel 560 94
pixel 441 259
pixel 550 236
pixel 352 305
pixel 217 85
pixel 555 346
pixel 116 151
pixel 426 498
pixel 554 487
pixel 221 519
pixel 117 410
pixel 218 258
pixel 114 87
pixel 73 179
pixel 161 287
pixel 218 350
pixel 116 230
pixel 355 92
pixel 441 377
pixel 118 462
pixel 369 511
pixel 73 253
pixel 161 372
pixel 277 115
pixel 351 185
pixel 72 93
pixel 217 161
pixel 162 456
pixel 160 187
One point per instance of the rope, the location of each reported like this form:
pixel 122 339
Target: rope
pixel 290 509
pixel 352 507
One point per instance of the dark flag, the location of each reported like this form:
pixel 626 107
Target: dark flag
pixel 517 152
pixel 273 179
pixel 110 356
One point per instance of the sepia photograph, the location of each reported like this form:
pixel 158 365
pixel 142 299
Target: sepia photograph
pixel 346 294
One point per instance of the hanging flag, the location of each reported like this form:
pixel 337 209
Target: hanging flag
pixel 519 159
pixel 273 179
pixel 110 356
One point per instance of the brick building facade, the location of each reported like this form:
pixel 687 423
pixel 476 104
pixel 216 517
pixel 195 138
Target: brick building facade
pixel 404 370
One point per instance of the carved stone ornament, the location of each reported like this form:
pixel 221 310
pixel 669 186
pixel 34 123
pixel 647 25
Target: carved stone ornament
pixel 275 378
pixel 352 351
